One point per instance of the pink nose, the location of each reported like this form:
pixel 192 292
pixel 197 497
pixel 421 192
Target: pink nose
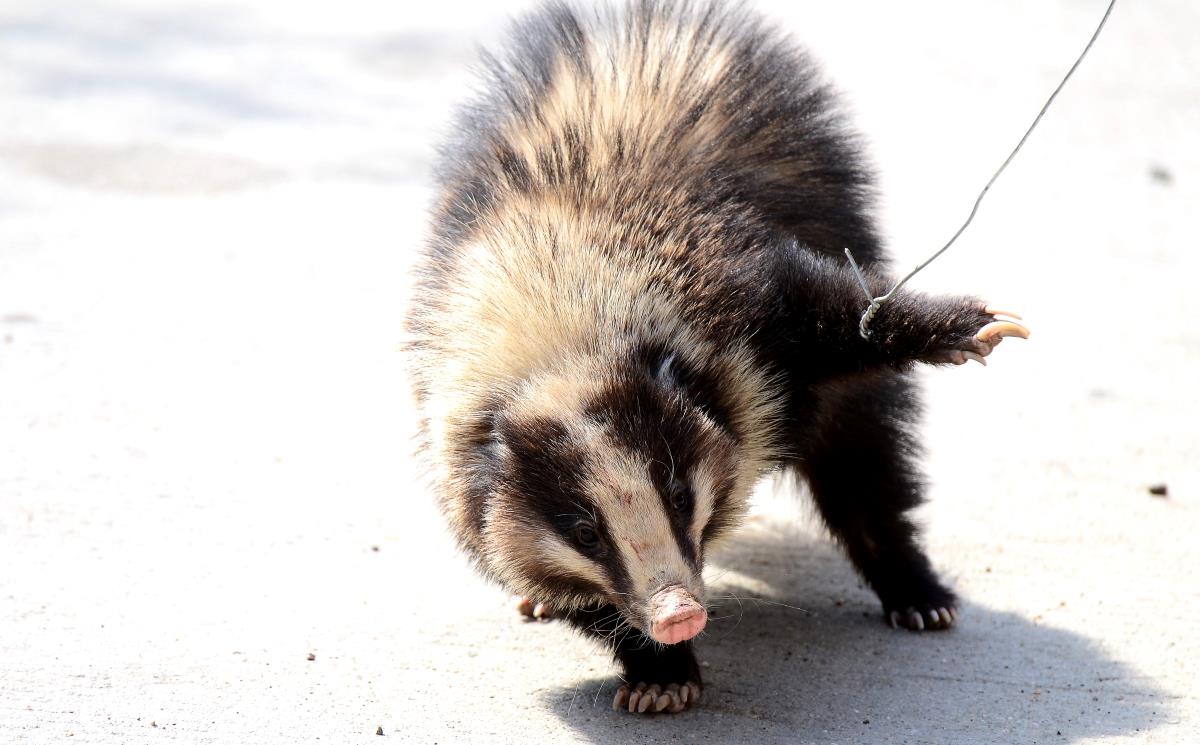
pixel 676 616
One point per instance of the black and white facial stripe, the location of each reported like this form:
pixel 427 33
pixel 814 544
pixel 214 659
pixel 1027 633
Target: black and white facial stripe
pixel 619 481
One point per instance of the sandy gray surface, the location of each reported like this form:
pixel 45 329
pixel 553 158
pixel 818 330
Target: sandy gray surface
pixel 206 217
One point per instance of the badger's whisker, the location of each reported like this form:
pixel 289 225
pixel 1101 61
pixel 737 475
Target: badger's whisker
pixel 719 618
pixel 782 605
pixel 754 599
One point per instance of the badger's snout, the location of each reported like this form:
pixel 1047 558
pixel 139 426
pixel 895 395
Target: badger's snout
pixel 675 615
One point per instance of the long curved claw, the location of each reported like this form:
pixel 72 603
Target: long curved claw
pixel 993 332
pixel 993 311
pixel 962 356
pixel 637 697
pixel 621 700
pixel 645 702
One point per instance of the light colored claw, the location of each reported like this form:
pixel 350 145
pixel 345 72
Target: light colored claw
pixel 991 311
pixel 541 610
pixel 996 330
pixel 524 606
pixel 642 699
pixel 962 356
pixel 621 700
pixel 915 622
pixel 934 619
pixel 894 619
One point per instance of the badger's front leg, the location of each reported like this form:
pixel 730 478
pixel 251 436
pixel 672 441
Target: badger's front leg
pixel 656 677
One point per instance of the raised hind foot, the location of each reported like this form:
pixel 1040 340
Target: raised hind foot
pixel 993 326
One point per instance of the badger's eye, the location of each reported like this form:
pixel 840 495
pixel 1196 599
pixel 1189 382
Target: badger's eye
pixel 681 497
pixel 585 535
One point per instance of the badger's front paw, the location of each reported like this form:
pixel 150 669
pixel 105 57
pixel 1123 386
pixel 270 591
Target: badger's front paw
pixel 994 325
pixel 649 699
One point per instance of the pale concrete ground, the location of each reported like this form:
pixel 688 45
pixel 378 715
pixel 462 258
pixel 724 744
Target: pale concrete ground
pixel 206 215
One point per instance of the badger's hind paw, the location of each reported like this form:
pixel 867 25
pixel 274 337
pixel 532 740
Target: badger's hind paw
pixel 997 325
pixel 924 618
pixel 532 610
pixel 652 699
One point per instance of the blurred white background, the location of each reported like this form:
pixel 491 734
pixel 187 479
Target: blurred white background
pixel 207 211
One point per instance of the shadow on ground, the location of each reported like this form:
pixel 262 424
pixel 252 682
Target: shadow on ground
pixel 774 673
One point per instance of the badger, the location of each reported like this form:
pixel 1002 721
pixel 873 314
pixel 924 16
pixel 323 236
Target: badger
pixel 633 305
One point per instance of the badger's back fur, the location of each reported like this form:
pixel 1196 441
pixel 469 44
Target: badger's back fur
pixel 631 293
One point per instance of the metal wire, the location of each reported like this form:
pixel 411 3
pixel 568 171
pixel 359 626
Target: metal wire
pixel 876 302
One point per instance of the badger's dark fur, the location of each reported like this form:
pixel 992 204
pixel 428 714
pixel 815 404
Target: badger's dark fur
pixel 634 304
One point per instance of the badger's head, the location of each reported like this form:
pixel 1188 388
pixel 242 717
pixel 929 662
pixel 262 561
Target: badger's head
pixel 608 484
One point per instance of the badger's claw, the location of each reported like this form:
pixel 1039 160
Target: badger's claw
pixel 960 356
pixel 531 610
pixel 923 619
pixel 997 330
pixel 650 699
pixel 994 311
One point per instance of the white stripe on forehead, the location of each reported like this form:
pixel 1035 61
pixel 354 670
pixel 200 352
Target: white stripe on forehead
pixel 633 513
pixel 704 495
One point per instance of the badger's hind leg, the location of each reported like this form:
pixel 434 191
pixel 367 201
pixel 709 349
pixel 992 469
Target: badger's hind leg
pixel 862 471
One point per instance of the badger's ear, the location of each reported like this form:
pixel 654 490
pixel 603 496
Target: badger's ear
pixel 674 374
pixel 665 373
pixel 661 364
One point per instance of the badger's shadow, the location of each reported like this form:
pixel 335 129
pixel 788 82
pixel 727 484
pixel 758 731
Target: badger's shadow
pixel 838 673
